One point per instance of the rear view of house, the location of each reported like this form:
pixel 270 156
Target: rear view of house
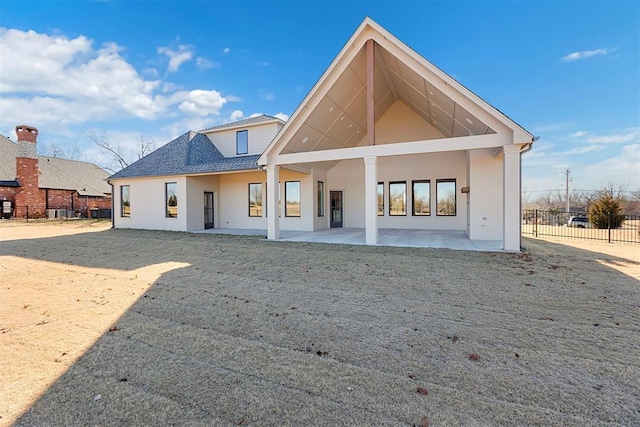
pixel 384 140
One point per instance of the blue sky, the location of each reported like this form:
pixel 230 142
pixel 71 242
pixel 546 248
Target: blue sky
pixel 567 71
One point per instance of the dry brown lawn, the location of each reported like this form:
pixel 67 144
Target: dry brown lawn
pixel 120 327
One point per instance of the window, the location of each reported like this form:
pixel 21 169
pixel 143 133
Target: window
pixel 397 198
pixel 320 199
pixel 381 199
pixel 171 200
pixel 125 202
pixel 446 197
pixel 292 198
pixel 242 142
pixel 420 196
pixel 255 199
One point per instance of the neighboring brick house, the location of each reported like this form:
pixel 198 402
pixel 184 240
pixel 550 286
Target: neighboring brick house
pixel 40 186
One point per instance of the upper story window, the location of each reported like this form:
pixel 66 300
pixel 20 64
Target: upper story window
pixel 242 142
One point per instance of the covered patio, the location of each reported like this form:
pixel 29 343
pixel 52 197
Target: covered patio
pixel 441 239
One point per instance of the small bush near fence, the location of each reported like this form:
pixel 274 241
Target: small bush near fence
pixel 601 226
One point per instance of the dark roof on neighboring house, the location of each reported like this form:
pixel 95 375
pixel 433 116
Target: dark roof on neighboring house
pixel 245 122
pixel 188 154
pixel 55 173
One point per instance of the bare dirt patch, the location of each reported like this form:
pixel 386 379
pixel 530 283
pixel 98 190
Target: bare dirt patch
pixel 143 327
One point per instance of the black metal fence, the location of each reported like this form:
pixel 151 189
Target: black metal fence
pixel 572 225
pixel 43 213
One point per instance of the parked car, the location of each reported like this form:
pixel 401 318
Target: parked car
pixel 579 222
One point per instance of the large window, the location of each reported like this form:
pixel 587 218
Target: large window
pixel 292 198
pixel 446 197
pixel 320 198
pixel 381 199
pixel 171 200
pixel 420 197
pixel 125 202
pixel 255 199
pixel 242 142
pixel 397 198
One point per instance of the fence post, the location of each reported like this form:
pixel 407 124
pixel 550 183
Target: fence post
pixel 27 213
pixel 609 225
pixel 535 223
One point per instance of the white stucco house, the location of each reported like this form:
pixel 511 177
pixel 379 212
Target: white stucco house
pixel 384 140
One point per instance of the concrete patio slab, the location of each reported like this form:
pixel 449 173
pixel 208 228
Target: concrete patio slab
pixel 445 239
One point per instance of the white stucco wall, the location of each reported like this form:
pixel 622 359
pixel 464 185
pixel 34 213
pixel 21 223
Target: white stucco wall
pixel 486 195
pixel 259 135
pixel 348 176
pixel 196 187
pixel 147 196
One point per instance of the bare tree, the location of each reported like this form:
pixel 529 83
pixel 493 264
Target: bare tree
pixel 121 156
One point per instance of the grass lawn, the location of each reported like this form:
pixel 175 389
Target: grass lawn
pixel 124 327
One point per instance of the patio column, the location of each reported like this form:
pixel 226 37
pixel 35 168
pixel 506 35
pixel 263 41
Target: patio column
pixel 273 195
pixel 371 199
pixel 511 197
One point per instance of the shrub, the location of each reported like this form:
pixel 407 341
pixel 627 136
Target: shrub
pixel 606 209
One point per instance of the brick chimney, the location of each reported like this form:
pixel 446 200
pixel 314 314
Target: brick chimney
pixel 27 171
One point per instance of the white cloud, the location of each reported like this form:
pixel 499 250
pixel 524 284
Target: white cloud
pixel 578 134
pixel 52 82
pixel 233 98
pixel 177 57
pixel 255 115
pixel 282 116
pixel 266 95
pixel 629 135
pixel 622 168
pixel 584 54
pixel 205 63
pixel 200 102
pixel 236 115
pixel 226 50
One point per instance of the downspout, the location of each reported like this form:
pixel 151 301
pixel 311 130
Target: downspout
pixel 526 150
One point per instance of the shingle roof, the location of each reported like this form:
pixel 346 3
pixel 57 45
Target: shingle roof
pixel 185 155
pixel 244 122
pixel 86 178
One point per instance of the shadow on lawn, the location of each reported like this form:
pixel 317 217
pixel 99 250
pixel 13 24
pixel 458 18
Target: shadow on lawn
pixel 235 339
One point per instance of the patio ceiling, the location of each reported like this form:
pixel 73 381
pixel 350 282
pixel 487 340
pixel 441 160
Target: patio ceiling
pixel 340 118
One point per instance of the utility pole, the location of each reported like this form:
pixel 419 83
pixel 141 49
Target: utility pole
pixel 567 172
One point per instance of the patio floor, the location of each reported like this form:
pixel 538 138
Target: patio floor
pixel 449 239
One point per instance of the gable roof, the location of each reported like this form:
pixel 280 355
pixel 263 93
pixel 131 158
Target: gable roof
pixel 263 118
pixel 55 173
pixel 190 153
pixel 334 113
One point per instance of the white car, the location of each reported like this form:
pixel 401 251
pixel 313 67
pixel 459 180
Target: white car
pixel 579 222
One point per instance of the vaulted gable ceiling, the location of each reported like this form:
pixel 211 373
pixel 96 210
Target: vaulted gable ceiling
pixel 334 114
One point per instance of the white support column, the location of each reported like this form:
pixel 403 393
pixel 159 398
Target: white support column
pixel 371 200
pixel 273 192
pixel 511 197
